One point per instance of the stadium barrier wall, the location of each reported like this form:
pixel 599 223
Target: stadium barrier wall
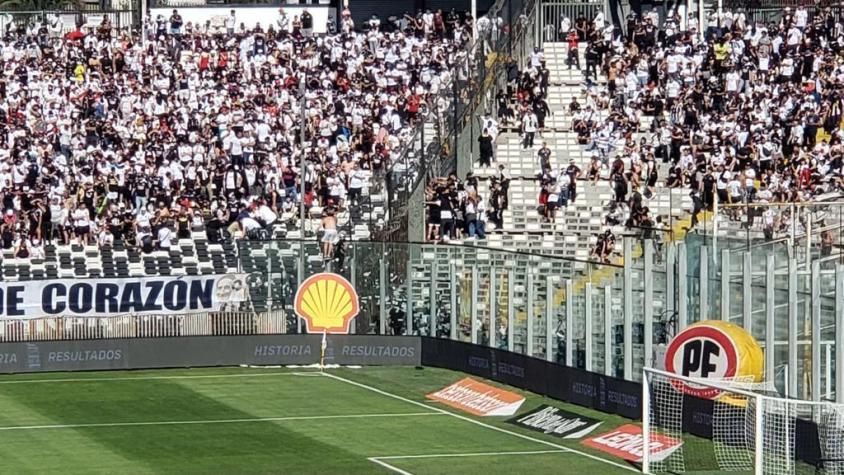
pixel 198 351
pixel 584 388
pixel 577 386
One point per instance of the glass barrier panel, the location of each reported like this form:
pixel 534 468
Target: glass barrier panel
pixel 399 261
pixel 539 299
pixel 465 303
pixel 601 335
pixel 735 288
pixel 520 310
pixel 827 335
pixel 578 316
pixel 484 296
pixel 558 318
pixel 502 304
pixel 420 290
pixel 638 312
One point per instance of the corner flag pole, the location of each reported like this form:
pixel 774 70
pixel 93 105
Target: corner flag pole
pixel 322 352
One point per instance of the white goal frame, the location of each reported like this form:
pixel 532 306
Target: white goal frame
pixel 758 463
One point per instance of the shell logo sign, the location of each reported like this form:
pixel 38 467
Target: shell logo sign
pixel 713 349
pixel 327 302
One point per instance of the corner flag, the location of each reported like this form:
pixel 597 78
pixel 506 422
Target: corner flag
pixel 322 351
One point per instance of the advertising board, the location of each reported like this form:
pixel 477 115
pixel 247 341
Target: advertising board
pixel 197 351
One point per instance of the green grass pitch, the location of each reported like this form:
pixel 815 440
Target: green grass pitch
pixel 290 421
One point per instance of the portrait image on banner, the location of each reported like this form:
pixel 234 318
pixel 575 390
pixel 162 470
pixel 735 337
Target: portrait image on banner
pixel 111 297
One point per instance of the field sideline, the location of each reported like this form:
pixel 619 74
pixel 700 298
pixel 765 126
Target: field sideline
pixel 239 420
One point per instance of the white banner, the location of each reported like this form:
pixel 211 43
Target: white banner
pixel 108 297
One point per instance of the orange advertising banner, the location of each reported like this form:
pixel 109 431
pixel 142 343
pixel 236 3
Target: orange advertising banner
pixel 478 398
pixel 628 443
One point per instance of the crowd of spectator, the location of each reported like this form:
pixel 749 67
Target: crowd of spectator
pixel 147 137
pixel 745 113
pixel 457 210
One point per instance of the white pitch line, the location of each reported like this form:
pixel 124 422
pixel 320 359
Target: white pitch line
pixel 389 467
pixel 149 378
pixel 482 424
pixel 217 421
pixel 380 460
pixel 477 454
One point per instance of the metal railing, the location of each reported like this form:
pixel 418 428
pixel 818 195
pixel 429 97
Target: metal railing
pixel 64 21
pixel 600 317
pixel 504 36
pixel 142 326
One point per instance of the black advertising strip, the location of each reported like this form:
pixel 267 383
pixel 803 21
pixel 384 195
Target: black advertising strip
pixel 503 366
pixel 697 415
pixel 197 351
pixel 604 393
pixel 557 422
pixel 592 390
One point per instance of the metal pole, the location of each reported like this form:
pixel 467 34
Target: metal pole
pixel 475 19
pixel 747 293
pixel 511 324
pixel 682 288
pixel 646 422
pixel 608 331
pixel 670 276
pixel 770 329
pixel 270 276
pixel 628 308
pixel 455 101
pixel 648 307
pixel 300 276
pixel 703 280
pixel 549 316
pixel 510 33
pixel 725 285
pixel 408 314
pixel 816 331
pixel 493 308
pixel 530 316
pixel 303 119
pixel 759 430
pixel 432 315
pixel 808 240
pixel 569 323
pixel 453 285
pixel 839 334
pixel 791 390
pixel 714 217
pixel 382 297
pixel 473 325
pixel 353 274
pixel 588 333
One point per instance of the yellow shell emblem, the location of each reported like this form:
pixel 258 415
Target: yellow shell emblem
pixel 327 302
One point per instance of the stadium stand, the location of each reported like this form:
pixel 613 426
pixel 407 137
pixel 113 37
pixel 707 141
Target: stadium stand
pixel 666 125
pixel 150 154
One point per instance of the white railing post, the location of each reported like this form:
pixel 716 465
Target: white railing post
pixel 646 423
pixel 758 428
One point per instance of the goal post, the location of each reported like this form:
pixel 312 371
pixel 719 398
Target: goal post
pixel 703 425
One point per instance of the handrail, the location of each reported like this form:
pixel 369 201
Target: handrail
pixel 314 241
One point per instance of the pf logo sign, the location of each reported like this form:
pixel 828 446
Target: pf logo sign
pixel 713 350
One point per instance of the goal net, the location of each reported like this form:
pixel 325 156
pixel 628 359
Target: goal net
pixel 736 426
